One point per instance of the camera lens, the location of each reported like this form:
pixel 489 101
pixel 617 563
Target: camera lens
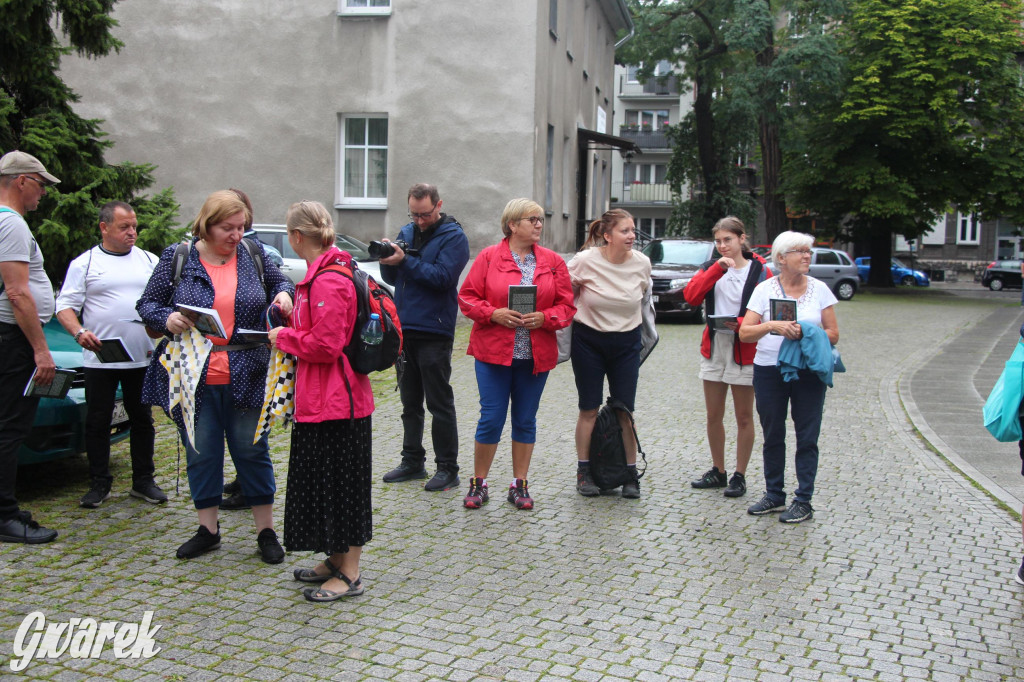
pixel 380 250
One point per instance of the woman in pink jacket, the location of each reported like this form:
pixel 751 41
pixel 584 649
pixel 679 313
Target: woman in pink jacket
pixel 327 506
pixel 514 350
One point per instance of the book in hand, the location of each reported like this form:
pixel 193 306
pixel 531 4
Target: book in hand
pixel 522 298
pixel 58 389
pixel 783 310
pixel 206 320
pixel 717 322
pixel 252 336
pixel 113 350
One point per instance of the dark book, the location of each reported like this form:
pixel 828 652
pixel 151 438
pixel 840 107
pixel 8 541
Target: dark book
pixel 206 320
pixel 717 322
pixel 522 298
pixel 113 350
pixel 252 336
pixel 58 389
pixel 782 310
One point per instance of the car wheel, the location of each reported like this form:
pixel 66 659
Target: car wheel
pixel 907 281
pixel 845 290
pixel 996 284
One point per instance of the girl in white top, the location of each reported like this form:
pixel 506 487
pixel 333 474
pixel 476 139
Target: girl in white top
pixel 611 279
pixel 815 304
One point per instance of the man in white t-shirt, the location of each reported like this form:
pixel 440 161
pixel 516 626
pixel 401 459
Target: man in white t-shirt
pixel 26 304
pixel 102 286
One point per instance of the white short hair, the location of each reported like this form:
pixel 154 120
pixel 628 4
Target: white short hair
pixel 787 241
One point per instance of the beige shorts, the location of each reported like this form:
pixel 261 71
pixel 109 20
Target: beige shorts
pixel 722 367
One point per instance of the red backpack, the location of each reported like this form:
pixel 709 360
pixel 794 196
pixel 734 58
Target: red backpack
pixel 370 298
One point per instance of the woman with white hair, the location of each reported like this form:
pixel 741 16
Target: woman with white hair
pixel 775 396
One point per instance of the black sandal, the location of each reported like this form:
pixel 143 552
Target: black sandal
pixel 355 588
pixel 309 575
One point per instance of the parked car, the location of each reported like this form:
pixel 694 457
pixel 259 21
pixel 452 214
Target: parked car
pixel 901 274
pixel 837 270
pixel 59 428
pixel 294 268
pixel 1002 274
pixel 673 263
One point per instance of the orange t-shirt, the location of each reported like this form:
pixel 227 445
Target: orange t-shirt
pixel 225 284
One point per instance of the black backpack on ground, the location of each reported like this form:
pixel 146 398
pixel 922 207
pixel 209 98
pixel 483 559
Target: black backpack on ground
pixel 608 450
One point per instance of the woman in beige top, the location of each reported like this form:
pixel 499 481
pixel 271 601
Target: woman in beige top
pixel 611 279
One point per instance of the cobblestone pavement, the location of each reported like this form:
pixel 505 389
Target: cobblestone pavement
pixel 904 573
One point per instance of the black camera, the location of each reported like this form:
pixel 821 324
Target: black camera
pixel 380 250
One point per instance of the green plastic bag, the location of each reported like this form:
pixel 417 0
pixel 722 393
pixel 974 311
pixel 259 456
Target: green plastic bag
pixel 1002 409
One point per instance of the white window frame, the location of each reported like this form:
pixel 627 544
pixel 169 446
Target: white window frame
pixel 350 202
pixel 348 9
pixel 971 223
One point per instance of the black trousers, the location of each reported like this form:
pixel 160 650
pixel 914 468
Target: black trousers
pixel 17 361
pixel 427 375
pixel 100 392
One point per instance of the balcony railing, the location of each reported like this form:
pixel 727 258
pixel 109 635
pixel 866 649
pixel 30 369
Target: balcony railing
pixel 637 193
pixel 668 86
pixel 645 139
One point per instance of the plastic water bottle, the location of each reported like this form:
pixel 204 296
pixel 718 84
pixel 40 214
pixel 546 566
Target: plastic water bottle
pixel 372 333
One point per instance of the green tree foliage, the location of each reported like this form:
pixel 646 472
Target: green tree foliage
pixel 36 116
pixel 931 114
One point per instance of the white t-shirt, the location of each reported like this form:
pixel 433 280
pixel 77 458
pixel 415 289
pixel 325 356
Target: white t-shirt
pixel 816 298
pixel 105 289
pixel 729 292
pixel 609 293
pixel 18 245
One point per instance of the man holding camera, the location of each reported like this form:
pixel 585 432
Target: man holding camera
pixel 429 255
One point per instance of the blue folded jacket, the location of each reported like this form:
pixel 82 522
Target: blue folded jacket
pixel 813 351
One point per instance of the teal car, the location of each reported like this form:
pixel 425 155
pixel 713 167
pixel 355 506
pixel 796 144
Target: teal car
pixel 59 428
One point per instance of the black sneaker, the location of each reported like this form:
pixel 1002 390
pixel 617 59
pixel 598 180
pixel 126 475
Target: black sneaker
pixel 149 491
pixel 270 549
pixel 631 490
pixel 766 506
pixel 519 494
pixel 233 487
pixel 585 483
pixel 235 501
pixel 444 479
pixel 797 513
pixel 23 529
pixel 203 541
pixel 737 486
pixel 1019 575
pixel 99 491
pixel 405 472
pixel 712 478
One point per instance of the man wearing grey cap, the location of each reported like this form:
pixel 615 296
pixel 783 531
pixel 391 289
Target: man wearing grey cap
pixel 26 304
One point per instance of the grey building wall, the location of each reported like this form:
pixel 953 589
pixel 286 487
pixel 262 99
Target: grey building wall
pixel 248 93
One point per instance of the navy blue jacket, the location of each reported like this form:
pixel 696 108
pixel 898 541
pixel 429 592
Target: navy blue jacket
pixel 427 285
pixel 248 367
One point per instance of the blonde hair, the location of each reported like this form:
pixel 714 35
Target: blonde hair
pixel 516 210
pixel 217 208
pixel 312 220
pixel 603 225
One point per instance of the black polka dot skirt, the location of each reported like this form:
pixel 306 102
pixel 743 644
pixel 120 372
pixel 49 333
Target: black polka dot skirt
pixel 327 505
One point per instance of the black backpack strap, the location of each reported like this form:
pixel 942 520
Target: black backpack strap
pixel 256 253
pixel 619 406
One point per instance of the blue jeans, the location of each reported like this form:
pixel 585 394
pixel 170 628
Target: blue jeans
pixel 219 419
pixel 774 398
pixel 499 386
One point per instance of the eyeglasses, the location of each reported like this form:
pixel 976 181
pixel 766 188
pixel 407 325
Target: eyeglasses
pixel 39 182
pixel 423 216
pixel 534 220
pixel 802 252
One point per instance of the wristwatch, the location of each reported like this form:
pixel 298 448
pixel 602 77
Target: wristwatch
pixel 80 332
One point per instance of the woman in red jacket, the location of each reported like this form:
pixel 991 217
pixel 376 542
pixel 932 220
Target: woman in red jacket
pixel 725 286
pixel 327 506
pixel 514 349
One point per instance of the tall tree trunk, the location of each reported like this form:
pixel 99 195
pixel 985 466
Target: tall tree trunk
pixel 773 203
pixel 880 248
pixel 716 187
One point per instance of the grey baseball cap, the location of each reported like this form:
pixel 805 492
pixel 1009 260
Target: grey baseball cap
pixel 19 163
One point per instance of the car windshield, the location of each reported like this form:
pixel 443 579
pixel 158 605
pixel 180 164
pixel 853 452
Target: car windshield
pixel 357 249
pixel 676 253
pixel 898 263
